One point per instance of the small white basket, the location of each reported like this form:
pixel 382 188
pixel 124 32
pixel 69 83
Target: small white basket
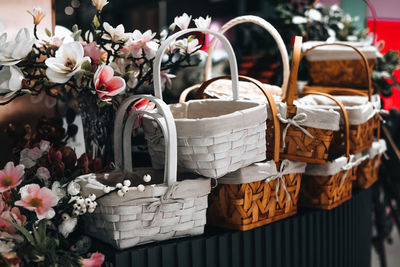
pixel 215 137
pixel 165 209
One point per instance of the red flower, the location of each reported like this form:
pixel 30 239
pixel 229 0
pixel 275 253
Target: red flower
pixel 96 260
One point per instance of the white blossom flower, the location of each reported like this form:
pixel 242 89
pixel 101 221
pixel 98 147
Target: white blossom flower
pixel 186 46
pixel 13 52
pixel 166 79
pixel 44 146
pixel 202 23
pixel 142 43
pixel 38 14
pixel 73 188
pixel 67 63
pixel 116 34
pixel 314 15
pixel 99 4
pixel 10 81
pixel 183 21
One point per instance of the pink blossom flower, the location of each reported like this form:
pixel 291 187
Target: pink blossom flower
pixel 143 43
pixel 93 51
pixel 3 204
pixel 39 200
pixel 106 84
pixel 44 145
pixel 11 215
pixel 11 176
pixel 96 260
pixel 28 157
pixel 166 79
pixel 141 104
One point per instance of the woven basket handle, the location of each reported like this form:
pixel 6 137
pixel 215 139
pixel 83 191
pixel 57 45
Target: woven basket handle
pixel 268 96
pixel 345 117
pixel 184 94
pixel 370 6
pixel 165 44
pixel 269 28
pixel 123 134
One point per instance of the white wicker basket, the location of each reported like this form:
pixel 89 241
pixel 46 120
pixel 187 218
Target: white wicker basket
pixel 165 209
pixel 215 137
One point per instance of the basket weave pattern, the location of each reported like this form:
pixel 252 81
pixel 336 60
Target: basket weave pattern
pixel 127 225
pixel 326 192
pixel 250 205
pixel 361 137
pixel 367 172
pixel 212 156
pixel 340 73
pixel 301 147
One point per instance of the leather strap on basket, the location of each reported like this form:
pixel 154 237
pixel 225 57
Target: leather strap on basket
pixel 345 117
pixel 268 96
pixel 269 28
pixel 184 94
pixel 370 6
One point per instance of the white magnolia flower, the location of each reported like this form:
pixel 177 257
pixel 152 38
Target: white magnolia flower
pixel 13 52
pixel 67 63
pixel 186 46
pixel 116 34
pixel 202 23
pixel 183 21
pixel 73 188
pixel 10 80
pixel 99 4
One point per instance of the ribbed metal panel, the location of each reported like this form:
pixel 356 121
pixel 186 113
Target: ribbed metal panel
pixel 313 238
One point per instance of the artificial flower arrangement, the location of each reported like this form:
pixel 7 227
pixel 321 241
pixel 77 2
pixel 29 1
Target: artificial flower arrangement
pixel 98 69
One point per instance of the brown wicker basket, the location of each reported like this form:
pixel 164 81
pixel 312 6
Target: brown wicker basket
pixel 361 135
pixel 330 190
pixel 249 205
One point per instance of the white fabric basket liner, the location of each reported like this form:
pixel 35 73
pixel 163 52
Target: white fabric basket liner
pixel 359 109
pixel 339 52
pixel 222 89
pixel 377 148
pixel 334 166
pixel 261 171
pixel 142 217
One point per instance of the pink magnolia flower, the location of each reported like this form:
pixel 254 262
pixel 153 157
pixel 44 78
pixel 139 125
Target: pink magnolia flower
pixel 28 157
pixel 106 84
pixel 11 215
pixel 142 43
pixel 96 260
pixel 93 51
pixel 11 176
pixel 141 104
pixel 43 173
pixel 39 200
pixel 166 79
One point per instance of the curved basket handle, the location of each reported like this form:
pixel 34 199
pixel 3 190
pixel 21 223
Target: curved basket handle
pixel 345 117
pixel 172 38
pixel 268 96
pixel 184 94
pixel 370 6
pixel 123 134
pixel 269 28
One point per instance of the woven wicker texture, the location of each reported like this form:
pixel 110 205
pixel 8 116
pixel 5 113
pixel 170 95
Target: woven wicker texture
pixel 165 209
pixel 367 172
pixel 250 205
pixel 326 192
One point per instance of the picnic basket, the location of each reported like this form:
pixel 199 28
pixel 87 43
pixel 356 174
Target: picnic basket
pixel 258 194
pixel 162 210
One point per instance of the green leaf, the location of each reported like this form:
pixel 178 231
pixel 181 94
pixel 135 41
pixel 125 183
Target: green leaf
pixel 75 28
pixel 48 32
pixel 77 35
pixel 23 230
pixel 96 22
